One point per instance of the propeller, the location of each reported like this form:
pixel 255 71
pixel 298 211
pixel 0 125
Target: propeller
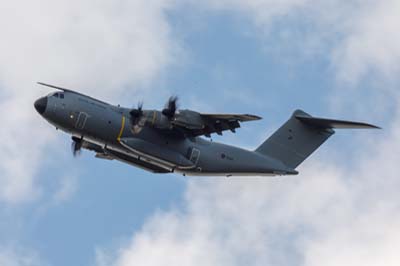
pixel 136 114
pixel 171 107
pixel 136 118
pixel 76 146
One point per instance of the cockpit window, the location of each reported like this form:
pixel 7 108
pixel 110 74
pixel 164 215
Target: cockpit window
pixel 57 95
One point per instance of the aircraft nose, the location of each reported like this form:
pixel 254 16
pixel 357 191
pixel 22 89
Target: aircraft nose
pixel 40 105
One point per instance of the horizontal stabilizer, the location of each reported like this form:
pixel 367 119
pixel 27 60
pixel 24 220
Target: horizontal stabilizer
pixel 332 123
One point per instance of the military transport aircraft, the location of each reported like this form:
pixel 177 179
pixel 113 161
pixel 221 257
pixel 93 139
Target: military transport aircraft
pixel 169 141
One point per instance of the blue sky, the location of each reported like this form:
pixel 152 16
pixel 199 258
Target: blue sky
pixel 263 57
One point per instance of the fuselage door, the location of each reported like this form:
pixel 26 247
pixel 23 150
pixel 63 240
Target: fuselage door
pixel 81 121
pixel 194 156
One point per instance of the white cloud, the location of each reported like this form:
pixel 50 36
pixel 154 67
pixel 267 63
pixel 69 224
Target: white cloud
pixel 67 188
pixel 330 214
pixel 372 43
pixel 10 257
pixel 359 37
pixel 326 214
pixel 103 47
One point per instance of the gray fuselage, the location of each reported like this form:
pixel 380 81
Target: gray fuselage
pixel 107 131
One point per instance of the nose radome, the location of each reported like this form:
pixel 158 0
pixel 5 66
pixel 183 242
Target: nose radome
pixel 40 105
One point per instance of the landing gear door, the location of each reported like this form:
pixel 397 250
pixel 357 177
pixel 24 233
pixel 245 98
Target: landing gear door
pixel 194 156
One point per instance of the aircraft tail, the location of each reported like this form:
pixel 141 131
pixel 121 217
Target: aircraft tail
pixel 301 135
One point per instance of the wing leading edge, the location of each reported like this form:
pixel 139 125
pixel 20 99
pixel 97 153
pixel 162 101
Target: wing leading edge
pixel 238 117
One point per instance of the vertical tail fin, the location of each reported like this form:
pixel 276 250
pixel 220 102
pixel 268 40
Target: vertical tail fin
pixel 300 136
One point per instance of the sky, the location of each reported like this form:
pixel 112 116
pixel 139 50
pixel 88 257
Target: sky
pixel 338 59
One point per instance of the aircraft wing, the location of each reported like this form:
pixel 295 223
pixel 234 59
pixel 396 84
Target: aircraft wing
pixel 216 123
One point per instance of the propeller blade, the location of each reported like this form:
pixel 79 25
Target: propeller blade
pixel 136 117
pixel 76 146
pixel 137 113
pixel 140 106
pixel 171 107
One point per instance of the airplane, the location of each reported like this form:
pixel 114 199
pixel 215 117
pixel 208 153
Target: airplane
pixel 170 140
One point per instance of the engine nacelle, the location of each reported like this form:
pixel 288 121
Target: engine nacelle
pixel 156 119
pixel 188 119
